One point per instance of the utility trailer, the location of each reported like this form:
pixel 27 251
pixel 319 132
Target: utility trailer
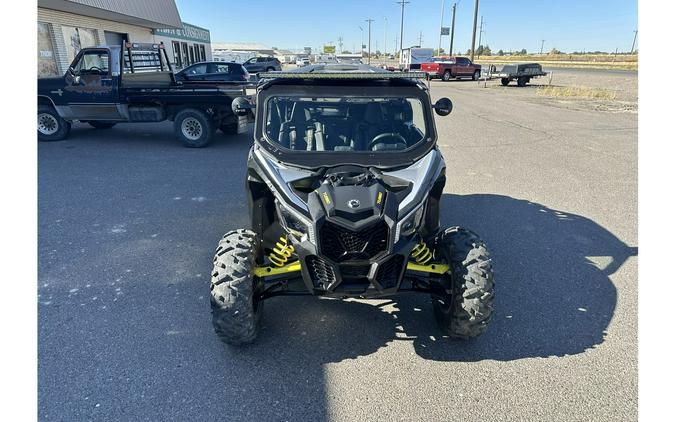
pixel 520 72
pixel 134 82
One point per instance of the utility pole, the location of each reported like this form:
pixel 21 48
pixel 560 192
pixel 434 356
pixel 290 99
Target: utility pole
pixel 440 31
pixel 385 40
pixel 632 48
pixel 452 31
pixel 361 41
pixel 542 47
pixel 473 37
pixel 480 35
pixel 369 20
pixel 402 3
pixel 420 39
pixel 340 39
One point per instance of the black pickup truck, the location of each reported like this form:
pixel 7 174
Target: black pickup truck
pixel 135 83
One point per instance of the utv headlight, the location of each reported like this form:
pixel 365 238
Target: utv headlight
pixel 410 223
pixel 295 223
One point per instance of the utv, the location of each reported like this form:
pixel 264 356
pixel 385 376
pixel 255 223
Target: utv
pixel 344 184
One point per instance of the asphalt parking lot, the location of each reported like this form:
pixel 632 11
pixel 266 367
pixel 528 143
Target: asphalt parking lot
pixel 129 219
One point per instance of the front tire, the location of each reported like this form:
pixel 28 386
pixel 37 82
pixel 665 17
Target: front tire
pixel 50 126
pixel 465 310
pixel 522 81
pixel 476 75
pixel 194 128
pixel 505 81
pixel 235 310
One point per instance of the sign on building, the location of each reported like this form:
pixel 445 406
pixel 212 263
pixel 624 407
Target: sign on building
pixel 329 49
pixel 188 32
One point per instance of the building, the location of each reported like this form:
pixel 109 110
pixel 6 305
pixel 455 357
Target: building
pixel 66 26
pixel 185 46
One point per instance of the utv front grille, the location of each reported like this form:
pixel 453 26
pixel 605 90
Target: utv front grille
pixel 340 244
pixel 389 272
pixel 320 271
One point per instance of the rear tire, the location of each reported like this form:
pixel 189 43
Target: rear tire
pixel 447 75
pixel 505 81
pixel 194 128
pixel 235 310
pixel 465 310
pixel 51 127
pixel 522 81
pixel 101 125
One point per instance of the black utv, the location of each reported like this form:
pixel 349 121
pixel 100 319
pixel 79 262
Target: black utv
pixel 344 184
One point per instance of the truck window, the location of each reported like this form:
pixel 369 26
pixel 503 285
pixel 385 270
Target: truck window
pixel 92 63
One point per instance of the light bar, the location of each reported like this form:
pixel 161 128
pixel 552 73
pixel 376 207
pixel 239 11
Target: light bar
pixel 342 75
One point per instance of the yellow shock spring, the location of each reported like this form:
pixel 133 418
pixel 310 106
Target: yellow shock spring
pixel 421 253
pixel 282 252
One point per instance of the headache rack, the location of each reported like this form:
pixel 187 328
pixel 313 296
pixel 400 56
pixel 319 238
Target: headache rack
pixel 145 57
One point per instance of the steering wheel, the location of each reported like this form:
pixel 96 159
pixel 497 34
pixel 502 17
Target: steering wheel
pixel 96 68
pixel 392 138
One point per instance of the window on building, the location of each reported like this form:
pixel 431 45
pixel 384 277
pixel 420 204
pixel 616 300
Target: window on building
pixel 77 39
pixel 186 56
pixel 177 62
pixel 202 50
pixel 46 59
pixel 192 55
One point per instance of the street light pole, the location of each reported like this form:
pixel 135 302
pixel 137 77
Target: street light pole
pixel 369 22
pixel 473 37
pixel 452 31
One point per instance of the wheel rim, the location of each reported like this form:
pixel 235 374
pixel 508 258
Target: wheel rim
pixel 191 128
pixel 47 124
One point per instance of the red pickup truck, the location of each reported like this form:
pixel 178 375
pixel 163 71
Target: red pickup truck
pixel 448 68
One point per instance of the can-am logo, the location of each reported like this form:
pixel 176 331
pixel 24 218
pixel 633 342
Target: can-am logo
pixel 354 203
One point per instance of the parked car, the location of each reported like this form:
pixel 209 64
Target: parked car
pixel 107 85
pixel 302 61
pixel 262 64
pixel 448 68
pixel 214 71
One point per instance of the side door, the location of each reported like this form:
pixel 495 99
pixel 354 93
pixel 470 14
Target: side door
pixel 253 65
pixel 463 66
pixel 219 72
pixel 91 88
pixel 196 72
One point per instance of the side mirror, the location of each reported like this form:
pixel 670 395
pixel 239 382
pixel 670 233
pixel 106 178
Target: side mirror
pixel 241 106
pixel 443 106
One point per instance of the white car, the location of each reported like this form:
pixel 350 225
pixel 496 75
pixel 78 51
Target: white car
pixel 302 61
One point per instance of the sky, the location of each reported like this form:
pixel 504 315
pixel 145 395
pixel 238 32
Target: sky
pixel 571 25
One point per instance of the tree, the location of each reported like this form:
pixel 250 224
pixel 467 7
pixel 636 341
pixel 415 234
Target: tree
pixel 487 51
pixel 438 52
pixel 346 52
pixel 468 51
pixel 523 52
pixel 554 51
pixel 500 52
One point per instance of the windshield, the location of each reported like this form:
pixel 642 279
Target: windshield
pixel 386 124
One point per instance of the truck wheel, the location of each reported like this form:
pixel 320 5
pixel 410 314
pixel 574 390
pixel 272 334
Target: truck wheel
pixel 101 125
pixel 50 126
pixel 236 311
pixel 522 81
pixel 193 127
pixel 447 75
pixel 476 75
pixel 465 309
pixel 505 81
pixel 270 69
